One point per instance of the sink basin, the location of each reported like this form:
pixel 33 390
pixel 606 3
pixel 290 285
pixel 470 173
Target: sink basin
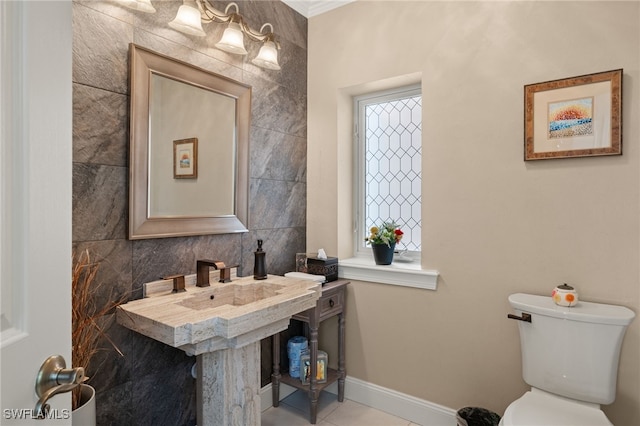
pixel 233 295
pixel 204 319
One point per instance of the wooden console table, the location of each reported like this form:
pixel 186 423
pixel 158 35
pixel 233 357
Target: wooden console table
pixel 332 302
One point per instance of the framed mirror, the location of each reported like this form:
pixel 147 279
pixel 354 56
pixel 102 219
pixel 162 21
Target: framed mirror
pixel 189 149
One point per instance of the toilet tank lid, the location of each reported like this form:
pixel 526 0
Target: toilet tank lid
pixel 583 311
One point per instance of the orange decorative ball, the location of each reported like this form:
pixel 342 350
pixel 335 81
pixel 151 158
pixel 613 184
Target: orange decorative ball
pixel 564 295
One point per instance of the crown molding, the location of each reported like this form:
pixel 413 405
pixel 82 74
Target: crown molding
pixel 310 8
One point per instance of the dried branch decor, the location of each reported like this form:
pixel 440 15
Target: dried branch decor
pixel 88 308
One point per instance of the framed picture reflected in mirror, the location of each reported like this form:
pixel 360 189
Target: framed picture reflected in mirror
pixel 185 158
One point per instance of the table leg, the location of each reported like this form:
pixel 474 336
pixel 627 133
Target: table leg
pixel 275 377
pixel 313 359
pixel 341 361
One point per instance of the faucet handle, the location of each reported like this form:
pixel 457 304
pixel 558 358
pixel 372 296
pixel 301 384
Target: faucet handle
pixel 178 283
pixel 225 274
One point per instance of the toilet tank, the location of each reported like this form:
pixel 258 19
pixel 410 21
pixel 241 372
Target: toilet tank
pixel 571 351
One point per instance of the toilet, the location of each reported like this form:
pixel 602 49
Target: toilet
pixel 569 358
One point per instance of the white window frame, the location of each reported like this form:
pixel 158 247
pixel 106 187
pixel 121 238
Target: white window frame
pixel 361 267
pixel 361 228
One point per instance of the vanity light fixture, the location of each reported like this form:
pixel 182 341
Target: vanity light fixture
pixel 192 13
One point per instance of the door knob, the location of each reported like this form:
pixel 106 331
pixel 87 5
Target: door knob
pixel 53 378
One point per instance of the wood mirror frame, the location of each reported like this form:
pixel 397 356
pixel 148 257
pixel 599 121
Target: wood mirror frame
pixel 144 63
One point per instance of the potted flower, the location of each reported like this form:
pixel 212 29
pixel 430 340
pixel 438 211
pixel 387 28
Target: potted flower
pixel 88 308
pixel 383 241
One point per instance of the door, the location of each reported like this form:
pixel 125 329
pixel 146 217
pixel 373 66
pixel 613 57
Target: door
pixel 35 208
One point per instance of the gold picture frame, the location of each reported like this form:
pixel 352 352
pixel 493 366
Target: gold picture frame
pixel 574 117
pixel 185 158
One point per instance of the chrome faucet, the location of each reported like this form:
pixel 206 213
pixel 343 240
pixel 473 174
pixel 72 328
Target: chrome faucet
pixel 202 271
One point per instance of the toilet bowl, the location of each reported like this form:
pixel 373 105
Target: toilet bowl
pixel 539 408
pixel 570 359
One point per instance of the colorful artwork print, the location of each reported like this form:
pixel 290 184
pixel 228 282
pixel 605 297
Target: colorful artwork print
pixel 570 118
pixel 185 159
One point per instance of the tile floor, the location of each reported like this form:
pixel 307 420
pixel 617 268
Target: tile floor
pixel 294 411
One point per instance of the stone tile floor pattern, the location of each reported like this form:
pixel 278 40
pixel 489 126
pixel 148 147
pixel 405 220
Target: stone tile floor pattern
pixel 294 411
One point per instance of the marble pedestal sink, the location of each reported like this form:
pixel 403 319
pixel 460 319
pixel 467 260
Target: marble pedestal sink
pixel 222 325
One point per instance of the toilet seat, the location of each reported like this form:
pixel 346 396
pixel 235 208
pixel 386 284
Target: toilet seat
pixel 540 408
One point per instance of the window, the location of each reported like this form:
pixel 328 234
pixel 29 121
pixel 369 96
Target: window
pixel 388 133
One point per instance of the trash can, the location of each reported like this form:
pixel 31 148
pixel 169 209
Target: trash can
pixel 476 416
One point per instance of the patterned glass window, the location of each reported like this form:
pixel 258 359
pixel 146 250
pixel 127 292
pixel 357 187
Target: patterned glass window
pixel 389 135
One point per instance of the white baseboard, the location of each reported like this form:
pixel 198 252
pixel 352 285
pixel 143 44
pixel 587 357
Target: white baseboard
pixel 390 401
pixel 266 397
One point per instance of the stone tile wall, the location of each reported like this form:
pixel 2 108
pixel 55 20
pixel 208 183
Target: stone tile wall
pixel 151 384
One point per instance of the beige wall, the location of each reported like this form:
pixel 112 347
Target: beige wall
pixel 492 224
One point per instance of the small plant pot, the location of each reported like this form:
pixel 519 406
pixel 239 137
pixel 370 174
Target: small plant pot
pixel 382 253
pixel 85 414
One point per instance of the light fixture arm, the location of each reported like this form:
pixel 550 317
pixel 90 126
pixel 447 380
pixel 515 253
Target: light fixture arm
pixel 259 36
pixel 211 14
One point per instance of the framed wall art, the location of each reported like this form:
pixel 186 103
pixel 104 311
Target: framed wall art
pixel 185 158
pixel 574 117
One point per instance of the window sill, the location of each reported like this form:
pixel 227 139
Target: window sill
pixel 402 274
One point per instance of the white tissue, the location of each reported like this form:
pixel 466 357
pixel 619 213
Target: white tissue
pixel 322 254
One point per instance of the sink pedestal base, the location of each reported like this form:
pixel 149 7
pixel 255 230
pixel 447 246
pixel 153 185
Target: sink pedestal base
pixel 228 387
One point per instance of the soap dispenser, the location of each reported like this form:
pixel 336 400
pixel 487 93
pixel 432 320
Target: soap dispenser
pixel 259 267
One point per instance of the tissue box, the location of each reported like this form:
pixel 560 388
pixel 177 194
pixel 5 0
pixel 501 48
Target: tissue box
pixel 327 267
